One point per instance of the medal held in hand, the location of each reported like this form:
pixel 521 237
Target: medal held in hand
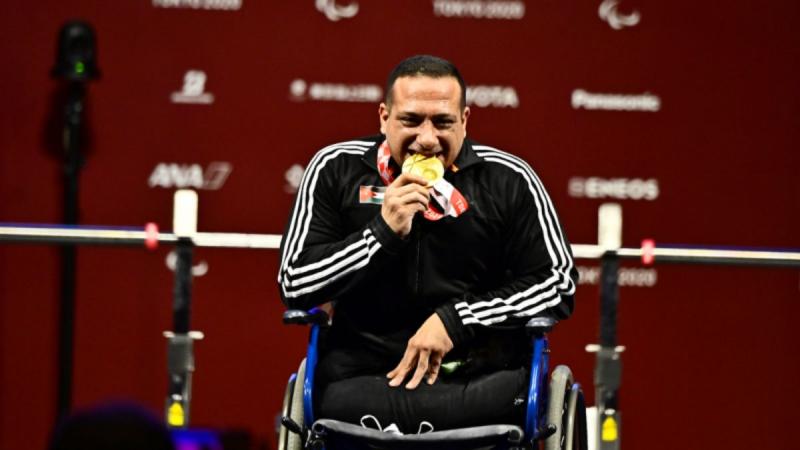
pixel 429 168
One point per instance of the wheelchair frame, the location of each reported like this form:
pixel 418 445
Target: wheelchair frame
pixel 555 415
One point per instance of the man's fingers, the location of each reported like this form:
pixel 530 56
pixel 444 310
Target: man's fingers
pixel 433 373
pixel 398 374
pixel 407 178
pixel 408 190
pixel 415 197
pixel 422 369
pixel 398 377
pixel 400 365
pixel 425 351
pixel 400 199
pixel 394 382
pixel 411 197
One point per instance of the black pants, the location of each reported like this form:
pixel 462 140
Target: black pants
pixel 453 401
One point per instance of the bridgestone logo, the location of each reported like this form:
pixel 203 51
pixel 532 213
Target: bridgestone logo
pixel 477 9
pixel 617 188
pixel 345 93
pixel 225 5
pixel 615 102
pixel 300 90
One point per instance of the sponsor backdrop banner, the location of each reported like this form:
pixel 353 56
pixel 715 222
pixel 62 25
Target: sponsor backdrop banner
pixel 685 113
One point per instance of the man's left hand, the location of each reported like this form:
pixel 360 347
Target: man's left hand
pixel 425 352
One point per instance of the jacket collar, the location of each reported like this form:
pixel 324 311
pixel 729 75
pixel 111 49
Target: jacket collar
pixel 467 156
pixel 370 157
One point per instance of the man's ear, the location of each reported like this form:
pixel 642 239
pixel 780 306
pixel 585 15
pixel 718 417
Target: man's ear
pixel 383 115
pixel 464 117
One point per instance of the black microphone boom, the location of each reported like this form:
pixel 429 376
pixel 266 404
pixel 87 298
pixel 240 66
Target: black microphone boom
pixel 75 64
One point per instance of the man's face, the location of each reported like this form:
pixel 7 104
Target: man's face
pixel 425 117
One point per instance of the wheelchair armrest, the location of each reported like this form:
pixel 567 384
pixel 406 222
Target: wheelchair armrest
pixel 540 325
pixel 315 316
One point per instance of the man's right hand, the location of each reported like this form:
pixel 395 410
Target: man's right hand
pixel 405 197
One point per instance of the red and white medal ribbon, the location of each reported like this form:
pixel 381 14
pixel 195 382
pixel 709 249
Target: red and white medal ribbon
pixel 450 200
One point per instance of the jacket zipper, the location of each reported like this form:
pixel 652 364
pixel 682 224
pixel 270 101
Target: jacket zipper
pixel 417 264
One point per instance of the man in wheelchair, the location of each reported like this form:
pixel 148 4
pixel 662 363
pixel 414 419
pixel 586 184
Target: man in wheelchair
pixel 436 252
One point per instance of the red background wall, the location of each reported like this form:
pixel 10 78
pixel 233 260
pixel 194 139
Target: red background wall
pixel 709 348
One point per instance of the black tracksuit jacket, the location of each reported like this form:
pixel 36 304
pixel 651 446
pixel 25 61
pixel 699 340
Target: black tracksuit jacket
pixel 486 272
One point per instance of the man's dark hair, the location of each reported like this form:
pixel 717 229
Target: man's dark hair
pixel 428 66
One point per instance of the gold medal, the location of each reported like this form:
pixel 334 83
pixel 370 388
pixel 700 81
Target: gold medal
pixel 429 168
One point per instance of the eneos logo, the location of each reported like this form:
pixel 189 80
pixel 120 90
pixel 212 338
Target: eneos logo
pixel 617 188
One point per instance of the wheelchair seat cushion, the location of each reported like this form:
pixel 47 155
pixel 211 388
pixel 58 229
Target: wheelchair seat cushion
pixel 336 434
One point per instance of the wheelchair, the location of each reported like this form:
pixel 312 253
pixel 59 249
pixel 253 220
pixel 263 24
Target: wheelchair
pixel 555 416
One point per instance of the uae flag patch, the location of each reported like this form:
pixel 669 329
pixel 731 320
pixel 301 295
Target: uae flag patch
pixel 371 194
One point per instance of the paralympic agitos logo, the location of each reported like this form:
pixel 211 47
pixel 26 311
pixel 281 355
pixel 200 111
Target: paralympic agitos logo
pixel 335 12
pixel 609 11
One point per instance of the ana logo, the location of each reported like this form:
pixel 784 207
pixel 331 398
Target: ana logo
pixel 335 12
pixel 479 9
pixel 496 96
pixel 608 12
pixel 194 84
pixel 229 5
pixel 180 176
pixel 293 177
pixel 615 102
pixel 300 90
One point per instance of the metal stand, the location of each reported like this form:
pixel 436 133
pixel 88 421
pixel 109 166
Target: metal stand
pixel 180 366
pixel 180 344
pixel 73 117
pixel 608 365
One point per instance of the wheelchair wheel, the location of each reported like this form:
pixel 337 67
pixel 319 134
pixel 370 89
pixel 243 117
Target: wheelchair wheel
pixel 283 433
pixel 567 411
pixel 577 434
pixel 293 408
